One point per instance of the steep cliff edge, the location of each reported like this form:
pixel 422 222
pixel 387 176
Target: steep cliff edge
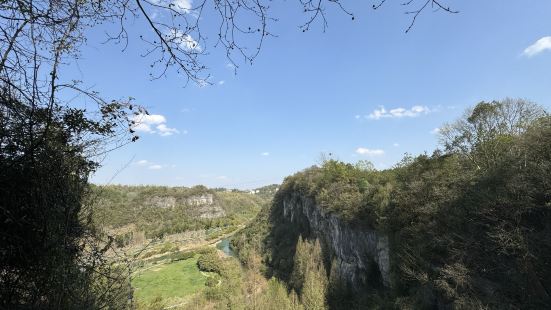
pixel 356 256
pixel 354 249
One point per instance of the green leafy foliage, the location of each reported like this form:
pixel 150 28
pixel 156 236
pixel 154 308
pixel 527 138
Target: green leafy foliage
pixel 51 255
pixel 276 297
pixel 309 275
pixel 355 193
pixel 210 262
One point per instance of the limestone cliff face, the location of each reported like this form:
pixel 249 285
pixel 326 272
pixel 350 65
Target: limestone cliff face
pixel 354 249
pixel 205 207
pixel 198 200
pixel 202 206
pixel 162 201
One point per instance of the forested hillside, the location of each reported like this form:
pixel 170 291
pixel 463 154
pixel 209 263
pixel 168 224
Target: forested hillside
pixel 158 211
pixel 467 227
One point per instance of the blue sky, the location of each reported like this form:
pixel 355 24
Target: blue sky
pixel 363 89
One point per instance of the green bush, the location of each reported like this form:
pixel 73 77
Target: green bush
pixel 182 256
pixel 210 262
pixel 212 281
pixel 165 248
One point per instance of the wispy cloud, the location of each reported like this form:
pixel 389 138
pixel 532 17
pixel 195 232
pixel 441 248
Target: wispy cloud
pixel 539 46
pixel 222 82
pixel 369 152
pixel 183 6
pixel 435 131
pixel 265 153
pixel 151 165
pixel 396 145
pixel 166 131
pixel 400 112
pixel 153 123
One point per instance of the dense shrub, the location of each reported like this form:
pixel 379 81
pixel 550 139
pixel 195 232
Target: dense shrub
pixel 182 256
pixel 210 262
pixel 165 248
pixel 212 281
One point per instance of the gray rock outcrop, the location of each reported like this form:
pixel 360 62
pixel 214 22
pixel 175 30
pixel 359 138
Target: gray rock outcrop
pixel 353 248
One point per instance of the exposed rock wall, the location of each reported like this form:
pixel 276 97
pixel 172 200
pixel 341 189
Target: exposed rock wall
pixel 198 200
pixel 354 249
pixel 210 211
pixel 205 207
pixel 162 202
pixel 202 206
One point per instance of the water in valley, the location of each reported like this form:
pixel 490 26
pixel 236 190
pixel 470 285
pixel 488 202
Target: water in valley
pixel 224 246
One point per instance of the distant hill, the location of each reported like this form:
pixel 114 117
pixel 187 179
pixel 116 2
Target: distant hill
pixel 157 211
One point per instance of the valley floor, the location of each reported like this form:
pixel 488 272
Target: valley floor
pixel 163 282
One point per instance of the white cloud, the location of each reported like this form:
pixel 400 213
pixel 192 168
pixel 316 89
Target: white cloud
pixel 142 127
pixel 166 131
pixel 184 40
pixel 222 82
pixel 357 116
pixel 369 152
pixel 153 123
pixel 396 145
pixel 265 154
pixel 183 6
pixel 415 111
pixel 143 122
pixel 539 46
pixel 230 66
pixel 435 131
pixel 150 165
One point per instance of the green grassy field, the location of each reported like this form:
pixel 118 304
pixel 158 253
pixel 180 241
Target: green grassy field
pixel 169 281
